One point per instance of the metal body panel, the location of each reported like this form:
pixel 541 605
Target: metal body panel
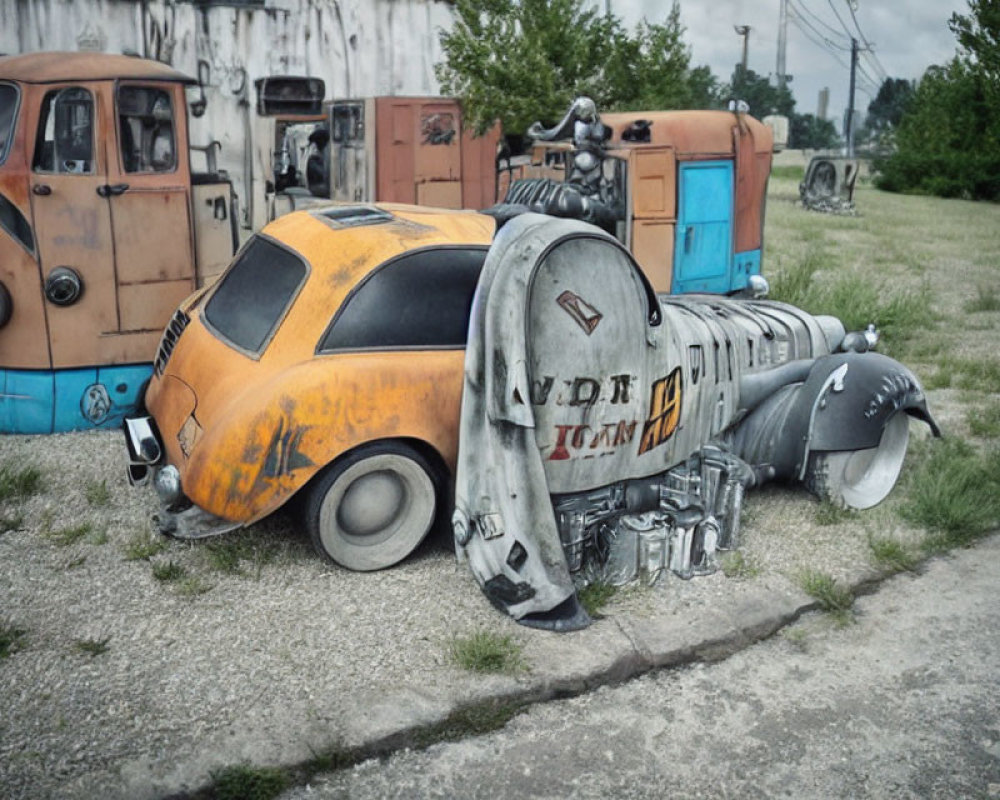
pixel 703 247
pixel 248 432
pixel 56 401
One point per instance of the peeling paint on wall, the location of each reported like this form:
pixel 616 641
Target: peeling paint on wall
pixel 360 48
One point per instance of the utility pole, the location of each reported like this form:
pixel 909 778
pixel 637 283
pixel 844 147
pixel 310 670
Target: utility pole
pixel 850 100
pixel 744 31
pixel 782 41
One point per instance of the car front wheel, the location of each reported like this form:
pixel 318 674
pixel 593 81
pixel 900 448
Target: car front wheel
pixel 371 508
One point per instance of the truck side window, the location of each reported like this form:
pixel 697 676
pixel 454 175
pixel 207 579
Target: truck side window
pixel 420 300
pixel 146 130
pixel 65 140
pixel 8 113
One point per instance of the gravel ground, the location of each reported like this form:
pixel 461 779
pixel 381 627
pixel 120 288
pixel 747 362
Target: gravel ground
pixel 209 668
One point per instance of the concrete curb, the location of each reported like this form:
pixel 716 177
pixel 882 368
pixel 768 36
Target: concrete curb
pixel 612 651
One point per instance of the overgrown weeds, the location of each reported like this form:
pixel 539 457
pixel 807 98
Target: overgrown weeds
pixel 142 547
pixel 64 537
pixel 168 571
pixel 987 299
pixel 984 421
pixel 485 651
pixel 738 566
pixel 229 555
pixel 594 596
pixel 857 302
pixel 891 555
pixel 97 493
pixel 954 492
pixel 833 598
pixel 16 483
pixel 828 513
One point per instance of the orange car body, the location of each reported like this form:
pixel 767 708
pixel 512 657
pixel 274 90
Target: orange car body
pixel 247 430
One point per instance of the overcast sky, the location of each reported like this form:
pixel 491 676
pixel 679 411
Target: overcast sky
pixel 907 36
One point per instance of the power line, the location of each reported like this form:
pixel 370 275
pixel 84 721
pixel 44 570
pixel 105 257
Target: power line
pixel 820 20
pixel 830 43
pixel 820 43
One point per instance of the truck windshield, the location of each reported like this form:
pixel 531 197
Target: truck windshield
pixel 254 294
pixel 8 112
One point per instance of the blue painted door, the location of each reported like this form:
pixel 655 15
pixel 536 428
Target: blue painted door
pixel 703 244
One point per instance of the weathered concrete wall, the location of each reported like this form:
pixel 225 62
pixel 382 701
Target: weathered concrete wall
pixel 360 48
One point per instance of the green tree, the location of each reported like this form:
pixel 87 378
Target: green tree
pixel 948 140
pixel 758 93
pixel 886 110
pixel 518 62
pixel 807 131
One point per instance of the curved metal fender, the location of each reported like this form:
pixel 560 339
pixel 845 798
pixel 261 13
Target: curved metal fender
pixel 844 404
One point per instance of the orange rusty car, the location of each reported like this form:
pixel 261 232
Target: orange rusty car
pixel 328 359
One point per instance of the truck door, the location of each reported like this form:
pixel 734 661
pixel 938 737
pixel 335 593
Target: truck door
pixel 148 192
pixel 703 244
pixel 352 141
pixel 73 226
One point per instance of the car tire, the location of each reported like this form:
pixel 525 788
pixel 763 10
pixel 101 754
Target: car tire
pixel 372 507
pixel 860 479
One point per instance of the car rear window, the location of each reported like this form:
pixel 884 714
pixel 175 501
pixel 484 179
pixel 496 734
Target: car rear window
pixel 254 294
pixel 420 300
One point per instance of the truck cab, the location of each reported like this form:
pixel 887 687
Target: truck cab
pixel 684 191
pixel 104 230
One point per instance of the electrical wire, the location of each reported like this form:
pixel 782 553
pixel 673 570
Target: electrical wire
pixel 797 18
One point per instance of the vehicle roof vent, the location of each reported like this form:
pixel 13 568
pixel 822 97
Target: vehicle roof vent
pixel 354 216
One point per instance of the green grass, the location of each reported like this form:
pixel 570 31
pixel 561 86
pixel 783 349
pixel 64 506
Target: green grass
pixel 167 571
pixel 64 537
pixel 240 555
pixel 891 555
pixel 97 493
pixel 828 513
pixel 11 638
pixel 19 482
pixel 833 598
pixel 953 492
pixel 246 782
pixel 594 596
pixel 92 647
pixel 984 421
pixel 791 172
pixel 142 547
pixel 815 285
pixel 485 651
pixel 987 299
pixel 192 586
pixel 738 566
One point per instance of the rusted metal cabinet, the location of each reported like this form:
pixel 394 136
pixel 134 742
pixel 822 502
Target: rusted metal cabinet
pixel 409 150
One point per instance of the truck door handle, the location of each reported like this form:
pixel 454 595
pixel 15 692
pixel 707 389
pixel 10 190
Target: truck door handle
pixel 42 189
pixel 688 238
pixel 106 190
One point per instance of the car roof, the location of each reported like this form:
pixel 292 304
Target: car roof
pixel 56 67
pixel 348 240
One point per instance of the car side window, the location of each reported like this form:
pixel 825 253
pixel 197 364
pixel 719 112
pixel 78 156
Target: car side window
pixel 254 294
pixel 65 142
pixel 420 300
pixel 146 129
